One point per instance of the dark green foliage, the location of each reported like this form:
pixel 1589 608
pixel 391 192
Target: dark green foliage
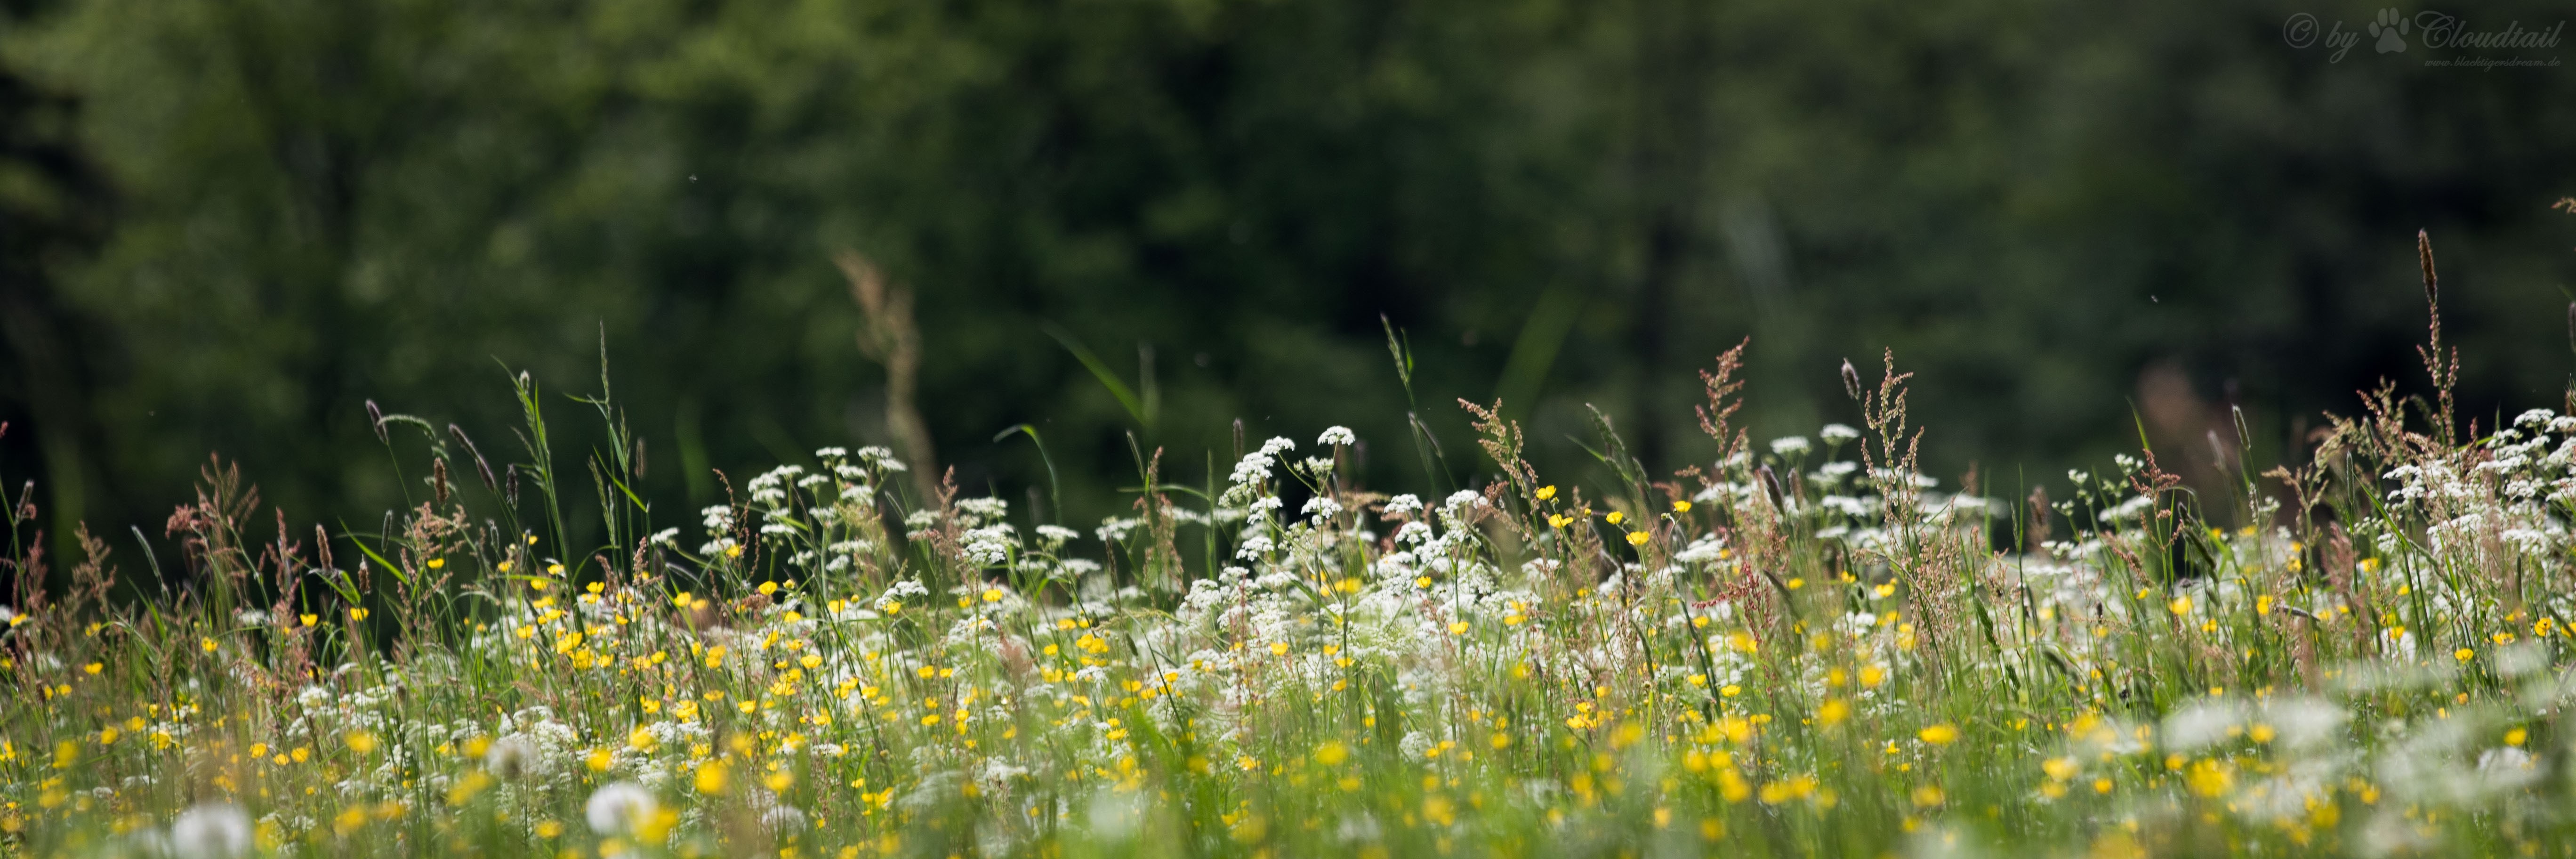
pixel 329 201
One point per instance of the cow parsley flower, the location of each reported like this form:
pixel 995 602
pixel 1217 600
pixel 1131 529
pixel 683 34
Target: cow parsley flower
pixel 879 458
pixel 1459 501
pixel 1254 548
pixel 901 592
pixel 982 510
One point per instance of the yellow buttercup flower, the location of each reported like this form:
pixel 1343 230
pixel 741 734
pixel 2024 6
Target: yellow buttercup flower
pixel 710 779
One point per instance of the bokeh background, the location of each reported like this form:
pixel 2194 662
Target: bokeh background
pixel 230 223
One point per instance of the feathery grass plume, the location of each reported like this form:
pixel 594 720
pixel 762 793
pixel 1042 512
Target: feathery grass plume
pixel 2442 367
pixel 891 338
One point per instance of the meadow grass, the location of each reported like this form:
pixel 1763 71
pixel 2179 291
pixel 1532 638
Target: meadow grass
pixel 1802 648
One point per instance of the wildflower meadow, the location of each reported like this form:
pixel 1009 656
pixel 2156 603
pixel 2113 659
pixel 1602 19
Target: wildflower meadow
pixel 1803 647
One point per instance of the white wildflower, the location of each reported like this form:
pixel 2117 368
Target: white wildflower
pixel 1254 548
pixel 619 808
pixel 2201 724
pixel 211 830
pixel 513 757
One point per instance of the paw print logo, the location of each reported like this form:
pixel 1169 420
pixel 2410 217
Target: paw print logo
pixel 2391 29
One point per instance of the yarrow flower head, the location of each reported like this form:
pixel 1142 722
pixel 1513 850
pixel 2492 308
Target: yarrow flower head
pixel 1338 436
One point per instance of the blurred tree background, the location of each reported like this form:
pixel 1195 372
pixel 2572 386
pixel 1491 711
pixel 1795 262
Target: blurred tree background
pixel 230 223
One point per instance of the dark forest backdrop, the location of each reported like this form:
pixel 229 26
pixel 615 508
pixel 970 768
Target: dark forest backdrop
pixel 230 223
